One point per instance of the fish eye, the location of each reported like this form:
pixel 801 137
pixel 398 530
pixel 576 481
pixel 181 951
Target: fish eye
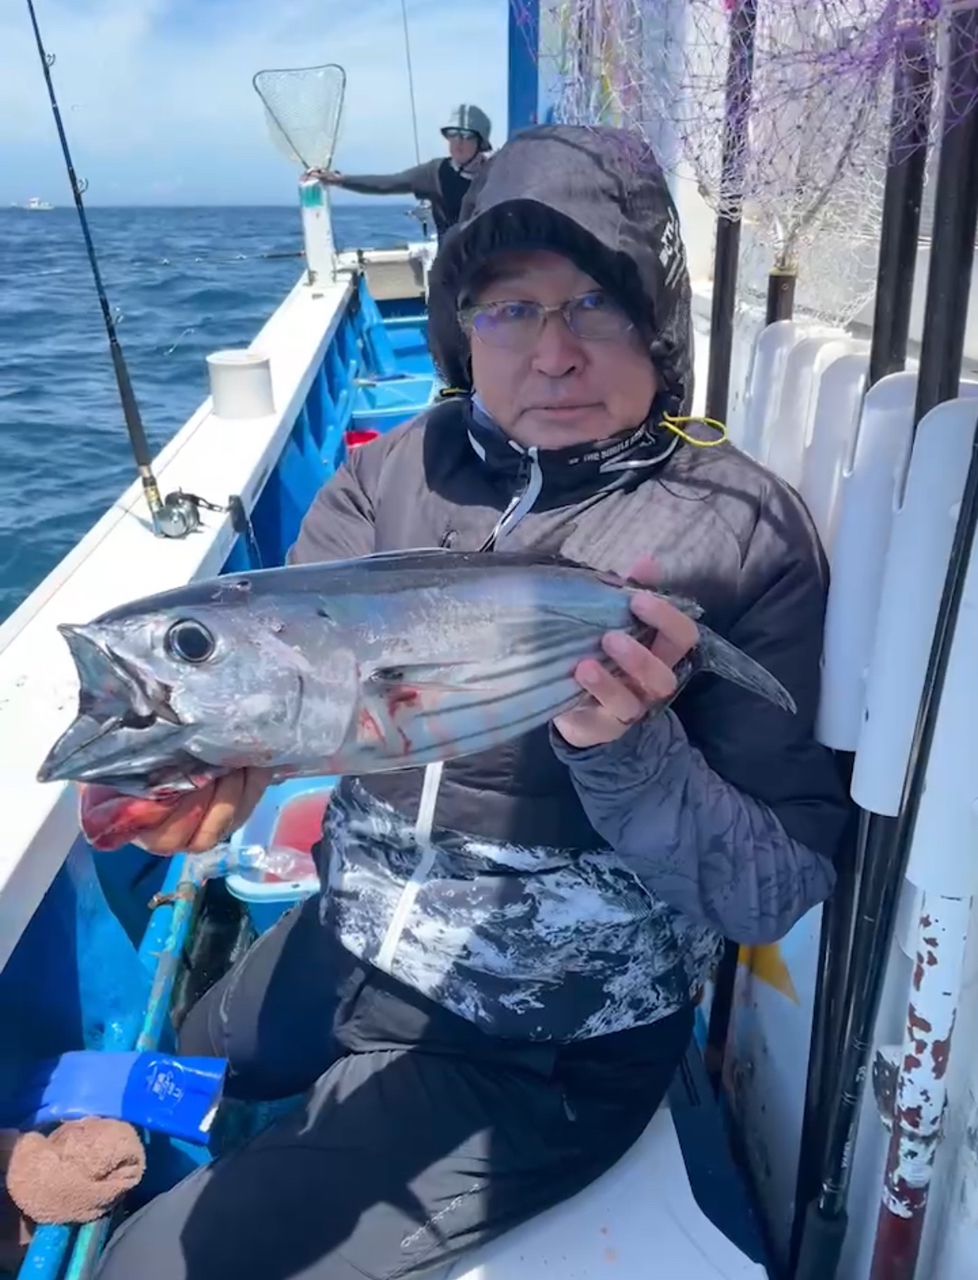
pixel 190 641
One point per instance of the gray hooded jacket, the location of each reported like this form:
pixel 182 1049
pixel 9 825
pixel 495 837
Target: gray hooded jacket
pixel 568 894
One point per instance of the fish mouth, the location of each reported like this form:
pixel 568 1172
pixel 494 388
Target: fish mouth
pixel 124 726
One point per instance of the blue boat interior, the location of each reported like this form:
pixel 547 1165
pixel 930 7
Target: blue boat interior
pixel 123 943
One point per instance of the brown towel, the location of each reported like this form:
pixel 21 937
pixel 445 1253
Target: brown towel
pixel 77 1173
pixel 15 1230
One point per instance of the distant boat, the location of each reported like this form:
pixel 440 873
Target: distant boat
pixel 35 204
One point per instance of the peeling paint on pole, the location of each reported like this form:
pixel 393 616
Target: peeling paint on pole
pixel 942 934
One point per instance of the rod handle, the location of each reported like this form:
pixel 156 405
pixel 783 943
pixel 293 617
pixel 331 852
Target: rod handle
pixel 821 1245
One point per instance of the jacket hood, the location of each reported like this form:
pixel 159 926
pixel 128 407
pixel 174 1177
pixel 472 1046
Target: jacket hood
pixel 598 196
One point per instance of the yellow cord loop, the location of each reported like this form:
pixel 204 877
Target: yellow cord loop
pixel 675 425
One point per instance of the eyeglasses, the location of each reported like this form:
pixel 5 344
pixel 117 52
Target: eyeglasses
pixel 591 316
pixel 468 134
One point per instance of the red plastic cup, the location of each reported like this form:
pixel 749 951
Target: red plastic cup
pixel 356 438
pixel 299 826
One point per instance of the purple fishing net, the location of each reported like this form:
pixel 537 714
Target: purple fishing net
pixel 810 85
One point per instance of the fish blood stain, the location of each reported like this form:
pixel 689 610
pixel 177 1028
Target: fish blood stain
pixel 369 728
pixel 403 697
pixel 399 699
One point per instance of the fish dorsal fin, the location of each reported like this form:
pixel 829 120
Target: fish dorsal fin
pixel 527 558
pixel 391 559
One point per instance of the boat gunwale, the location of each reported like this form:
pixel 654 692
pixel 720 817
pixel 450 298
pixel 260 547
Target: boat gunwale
pixel 36 700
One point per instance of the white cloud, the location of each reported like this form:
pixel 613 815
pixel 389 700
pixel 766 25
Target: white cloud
pixel 157 99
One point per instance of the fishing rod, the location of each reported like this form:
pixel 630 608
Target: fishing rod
pixel 899 231
pixel 178 514
pixel 737 99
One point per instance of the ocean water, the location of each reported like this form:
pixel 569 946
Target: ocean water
pixel 181 283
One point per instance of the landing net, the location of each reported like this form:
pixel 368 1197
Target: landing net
pixel 303 107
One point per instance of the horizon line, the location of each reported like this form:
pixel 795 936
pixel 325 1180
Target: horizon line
pixel 204 204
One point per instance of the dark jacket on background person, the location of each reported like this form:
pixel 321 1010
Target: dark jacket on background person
pixel 436 180
pixel 569 894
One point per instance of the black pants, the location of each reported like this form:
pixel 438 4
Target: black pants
pixel 420 1135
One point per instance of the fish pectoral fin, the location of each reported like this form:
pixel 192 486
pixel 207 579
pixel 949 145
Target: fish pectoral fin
pixel 422 678
pixel 390 695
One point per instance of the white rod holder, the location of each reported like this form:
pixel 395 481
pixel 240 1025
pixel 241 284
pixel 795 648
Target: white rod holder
pixel 317 232
pixel 241 384
pixel 922 533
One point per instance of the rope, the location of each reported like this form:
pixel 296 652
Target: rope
pixel 410 71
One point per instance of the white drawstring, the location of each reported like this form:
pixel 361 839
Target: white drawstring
pixel 520 503
pixel 422 838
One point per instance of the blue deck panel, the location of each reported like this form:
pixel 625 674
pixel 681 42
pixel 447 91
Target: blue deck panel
pixel 75 981
pixel 713 1178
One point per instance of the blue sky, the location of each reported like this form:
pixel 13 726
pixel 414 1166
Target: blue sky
pixel 157 100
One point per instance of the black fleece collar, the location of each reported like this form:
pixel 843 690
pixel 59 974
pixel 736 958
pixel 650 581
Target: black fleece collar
pixel 577 472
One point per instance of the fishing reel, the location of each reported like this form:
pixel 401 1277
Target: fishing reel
pixel 178 516
pixel 422 214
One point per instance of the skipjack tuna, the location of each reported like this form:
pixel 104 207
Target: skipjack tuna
pixel 358 666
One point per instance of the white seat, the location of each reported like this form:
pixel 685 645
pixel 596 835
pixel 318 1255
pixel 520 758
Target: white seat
pixel 639 1219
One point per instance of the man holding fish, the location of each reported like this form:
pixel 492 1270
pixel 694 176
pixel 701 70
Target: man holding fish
pixel 488 999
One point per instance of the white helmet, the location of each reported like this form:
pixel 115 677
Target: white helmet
pixel 474 120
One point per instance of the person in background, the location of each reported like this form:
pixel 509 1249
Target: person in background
pixel 444 182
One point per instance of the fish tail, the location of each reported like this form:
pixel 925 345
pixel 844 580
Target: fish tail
pixel 719 657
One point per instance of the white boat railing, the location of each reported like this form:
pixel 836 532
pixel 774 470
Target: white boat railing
pixel 119 559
